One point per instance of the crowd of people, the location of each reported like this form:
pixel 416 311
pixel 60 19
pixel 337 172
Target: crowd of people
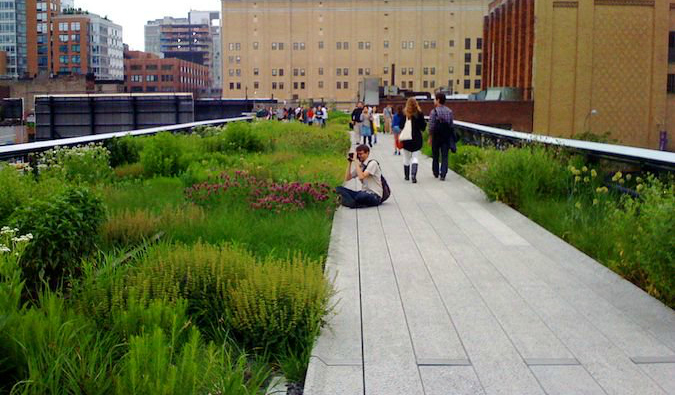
pixel 310 115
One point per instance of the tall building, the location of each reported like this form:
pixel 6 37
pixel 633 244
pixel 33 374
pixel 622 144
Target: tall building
pixel 13 37
pixel 211 18
pixel 590 66
pixel 86 43
pixel 153 33
pixel 147 72
pixel 300 49
pixel 39 20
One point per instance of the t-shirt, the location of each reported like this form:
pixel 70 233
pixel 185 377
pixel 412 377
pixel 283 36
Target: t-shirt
pixel 373 182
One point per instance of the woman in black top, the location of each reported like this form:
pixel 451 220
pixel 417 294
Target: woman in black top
pixel 411 148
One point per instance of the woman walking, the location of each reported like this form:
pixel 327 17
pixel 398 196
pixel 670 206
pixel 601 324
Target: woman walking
pixel 412 147
pixel 366 126
pixel 398 122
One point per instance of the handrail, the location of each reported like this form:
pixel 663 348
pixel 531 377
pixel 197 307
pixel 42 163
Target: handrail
pixel 661 159
pixel 18 150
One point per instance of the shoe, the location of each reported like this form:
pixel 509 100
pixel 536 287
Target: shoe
pixel 442 178
pixel 395 153
pixel 406 172
pixel 435 175
pixel 413 173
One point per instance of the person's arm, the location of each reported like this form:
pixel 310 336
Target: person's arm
pixel 348 174
pixel 361 174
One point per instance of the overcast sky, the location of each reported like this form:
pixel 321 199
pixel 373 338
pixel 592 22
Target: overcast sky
pixel 133 14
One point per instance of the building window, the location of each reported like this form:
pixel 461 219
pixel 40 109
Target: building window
pixel 256 45
pixel 75 48
pixel 479 69
pixel 320 70
pixel 404 45
pixel 281 46
pixel 433 84
pixel 345 71
pixel 467 69
pixel 256 71
pixel 404 71
pixel 425 71
pixel 360 71
pixel 410 71
pixel 386 44
pixel 238 73
pixel 167 78
pixel 75 26
pixel 63 59
pixel 302 72
pixel 136 78
pixel 75 59
pixel 320 84
pixel 339 85
pixel 451 69
pixel 671 83
pixel 479 43
pixel 338 45
pixel 295 72
pixel 151 67
pixel 345 45
pixel 238 85
pixel 274 46
pixel 410 85
pixel 63 26
pixel 295 85
pixel 451 43
pixel 281 72
pixel 281 85
pixel 467 43
pixel 361 46
pixel 62 49
pixel 367 44
pixel 274 72
pixel 433 45
pixel 433 71
pixel 480 57
pixel 63 38
pixel 136 67
pixel 385 70
pixel 467 57
pixel 302 85
pixel 467 84
pixel 320 44
pixel 671 47
pixel 426 45
pixel 367 71
pixel 151 78
pixel 425 84
pixel 411 44
pixel 476 84
pixel 296 46
pixel 403 84
pixel 338 71
pixel 75 38
pixel 274 85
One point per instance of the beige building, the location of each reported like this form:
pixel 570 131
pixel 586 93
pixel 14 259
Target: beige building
pixel 323 49
pixel 591 65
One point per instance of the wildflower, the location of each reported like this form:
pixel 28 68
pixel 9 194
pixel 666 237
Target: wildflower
pixel 598 190
pixel 577 179
pixel 628 177
pixel 617 176
pixel 595 202
pixel 572 169
pixel 594 173
pixel 639 179
pixel 578 205
pixel 621 181
pixel 584 169
pixel 640 187
pixel 4 248
pixel 587 180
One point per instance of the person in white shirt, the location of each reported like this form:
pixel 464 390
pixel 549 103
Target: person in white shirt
pixel 369 173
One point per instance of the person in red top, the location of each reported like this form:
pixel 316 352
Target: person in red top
pixel 310 116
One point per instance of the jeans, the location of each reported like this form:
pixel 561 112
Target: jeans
pixel 357 199
pixel 439 149
pixel 369 139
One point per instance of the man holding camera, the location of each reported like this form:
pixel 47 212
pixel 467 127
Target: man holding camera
pixel 370 175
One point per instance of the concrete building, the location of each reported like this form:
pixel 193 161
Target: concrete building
pixel 86 43
pixel 303 49
pixel 153 33
pixel 13 37
pixel 147 72
pixel 590 66
pixel 211 18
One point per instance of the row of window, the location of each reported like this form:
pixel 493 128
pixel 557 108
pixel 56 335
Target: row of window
pixel 73 37
pixel 73 48
pixel 165 78
pixel 65 59
pixel 361 71
pixel 151 67
pixel 364 45
pixel 74 26
pixel 427 84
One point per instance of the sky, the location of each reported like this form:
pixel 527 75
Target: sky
pixel 133 14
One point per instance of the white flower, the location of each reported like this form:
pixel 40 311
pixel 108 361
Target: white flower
pixel 4 229
pixel 3 248
pixel 29 236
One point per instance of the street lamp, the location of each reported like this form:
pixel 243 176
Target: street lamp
pixel 588 118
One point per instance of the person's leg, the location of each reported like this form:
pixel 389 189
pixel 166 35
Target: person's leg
pixel 406 164
pixel 370 140
pixel 444 148
pixel 365 199
pixel 348 196
pixel 435 153
pixel 413 168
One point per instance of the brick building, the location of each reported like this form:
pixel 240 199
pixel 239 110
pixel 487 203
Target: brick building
pixel 591 66
pixel 147 72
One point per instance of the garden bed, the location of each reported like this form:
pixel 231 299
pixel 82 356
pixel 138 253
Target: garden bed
pixel 173 264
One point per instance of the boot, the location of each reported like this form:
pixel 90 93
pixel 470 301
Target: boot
pixel 406 172
pixel 413 173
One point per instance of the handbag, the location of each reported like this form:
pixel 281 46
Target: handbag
pixel 406 133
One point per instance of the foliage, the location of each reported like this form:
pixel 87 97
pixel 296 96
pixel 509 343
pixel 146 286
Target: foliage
pixel 129 227
pixel 14 190
pixel 161 155
pixel 240 136
pixel 123 150
pixel 81 164
pixel 596 138
pixel 65 230
pixel 466 155
pixel 132 170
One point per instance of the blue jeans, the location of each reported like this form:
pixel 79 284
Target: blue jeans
pixel 357 199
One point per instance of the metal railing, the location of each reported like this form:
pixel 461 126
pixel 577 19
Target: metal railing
pixel 661 160
pixel 21 150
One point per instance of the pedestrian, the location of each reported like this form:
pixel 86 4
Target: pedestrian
pixel 324 118
pixel 441 136
pixel 375 123
pixel 366 127
pixel 370 175
pixel 398 122
pixel 411 136
pixel 356 122
pixel 388 114
pixel 310 116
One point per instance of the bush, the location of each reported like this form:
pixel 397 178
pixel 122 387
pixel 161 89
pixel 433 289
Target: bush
pixel 132 170
pixel 14 190
pixel 129 227
pixel 65 230
pixel 240 136
pixel 466 155
pixel 161 155
pixel 81 164
pixel 123 150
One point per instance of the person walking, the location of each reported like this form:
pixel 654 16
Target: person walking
pixel 388 114
pixel 324 117
pixel 398 122
pixel 441 136
pixel 366 127
pixel 412 146
pixel 356 122
pixel 310 116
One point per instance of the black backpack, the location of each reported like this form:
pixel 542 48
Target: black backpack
pixel 386 190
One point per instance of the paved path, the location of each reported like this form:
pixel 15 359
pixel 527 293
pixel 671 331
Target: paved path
pixel 442 292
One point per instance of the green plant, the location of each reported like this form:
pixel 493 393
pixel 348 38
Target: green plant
pixel 15 188
pixel 81 164
pixel 65 230
pixel 123 150
pixel 161 155
pixel 466 155
pixel 132 170
pixel 129 227
pixel 240 136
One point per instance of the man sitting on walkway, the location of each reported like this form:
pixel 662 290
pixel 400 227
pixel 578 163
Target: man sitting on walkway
pixel 370 175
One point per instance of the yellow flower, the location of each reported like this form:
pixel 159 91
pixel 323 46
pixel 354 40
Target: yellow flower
pixel 617 176
pixel 578 205
pixel 598 190
pixel 577 179
pixel 584 169
pixel 628 177
pixel 586 179
pixel 639 187
pixel 595 202
pixel 572 169
pixel 594 173
pixel 639 179
pixel 621 181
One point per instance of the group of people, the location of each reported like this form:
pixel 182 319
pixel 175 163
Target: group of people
pixel 310 115
pixel 407 125
pixel 366 123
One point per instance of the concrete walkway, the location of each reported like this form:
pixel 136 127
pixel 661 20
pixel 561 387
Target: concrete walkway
pixel 442 292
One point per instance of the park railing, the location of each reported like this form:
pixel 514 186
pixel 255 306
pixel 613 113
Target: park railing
pixel 645 158
pixel 21 150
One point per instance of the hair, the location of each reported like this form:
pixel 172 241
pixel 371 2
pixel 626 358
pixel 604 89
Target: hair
pixel 440 97
pixel 363 148
pixel 412 108
pixel 399 110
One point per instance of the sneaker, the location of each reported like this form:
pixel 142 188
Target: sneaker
pixel 442 178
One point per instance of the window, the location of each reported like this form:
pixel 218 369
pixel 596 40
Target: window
pixel 345 85
pixel 62 49
pixel 451 43
pixel 433 45
pixel 296 46
pixel 75 38
pixel 411 44
pixel 281 72
pixel 238 72
pixel 274 46
pixel 467 43
pixel 75 26
pixel 339 85
pixel 302 85
pixel 295 85
pixel 404 45
pixel 75 48
pixel 281 85
pixel 367 71
pixel 231 85
pixel 63 38
pixel 338 71
pixel 167 78
pixel 136 89
pixel 476 84
pixel 467 57
pixel 151 78
pixel 671 47
pixel 256 71
pixel 426 45
pixel 386 44
pixel 302 72
pixel 385 70
pixel 403 84
pixel 467 69
pixel 425 84
pixel 231 46
pixel 451 69
pixel 320 84
pixel 320 44
pixel 136 67
pixel 274 85
pixel 410 71
pixel 433 71
pixel 404 71
pixel 237 46
pixel 281 46
pixel 338 45
pixel 238 85
pixel 274 72
pixel 671 83
pixel 425 71
pixel 479 69
pixel 367 44
pixel 63 59
pixel 231 72
pixel 345 45
pixel 238 59
pixel 256 45
pixel 320 70
pixel 410 84
pixel 361 45
pixel 166 67
pixel 151 67
pixel 295 72
pixel 467 84
pixel 480 57
pixel 136 78
pixel 433 84
pixel 63 26
pixel 360 71
pixel 479 43
pixel 345 71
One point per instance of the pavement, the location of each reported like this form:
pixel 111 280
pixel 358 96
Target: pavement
pixel 441 292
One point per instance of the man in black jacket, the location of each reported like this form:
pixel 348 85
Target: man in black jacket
pixel 356 122
pixel 441 136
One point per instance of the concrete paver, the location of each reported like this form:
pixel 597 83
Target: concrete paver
pixel 451 294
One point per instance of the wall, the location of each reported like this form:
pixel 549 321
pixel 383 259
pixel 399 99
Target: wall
pixel 603 55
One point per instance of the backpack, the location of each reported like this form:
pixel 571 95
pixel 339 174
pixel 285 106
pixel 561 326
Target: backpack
pixel 386 190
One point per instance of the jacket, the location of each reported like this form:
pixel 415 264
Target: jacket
pixel 418 126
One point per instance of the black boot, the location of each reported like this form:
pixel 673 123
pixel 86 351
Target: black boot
pixel 413 173
pixel 406 172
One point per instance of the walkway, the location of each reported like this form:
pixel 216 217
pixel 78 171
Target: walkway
pixel 442 292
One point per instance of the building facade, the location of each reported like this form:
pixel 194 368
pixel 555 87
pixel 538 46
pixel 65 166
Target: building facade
pixel 13 37
pixel 592 66
pixel 86 43
pixel 153 33
pixel 299 49
pixel 211 18
pixel 147 72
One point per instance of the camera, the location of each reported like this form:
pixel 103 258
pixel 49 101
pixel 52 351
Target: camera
pixel 351 156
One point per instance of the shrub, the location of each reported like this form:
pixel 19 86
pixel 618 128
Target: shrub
pixel 240 136
pixel 14 190
pixel 81 164
pixel 129 227
pixel 466 155
pixel 161 155
pixel 132 170
pixel 65 230
pixel 123 150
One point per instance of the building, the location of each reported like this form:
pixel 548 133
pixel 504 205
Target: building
pixel 86 43
pixel 13 37
pixel 153 33
pixel 67 5
pixel 303 49
pixel 591 66
pixel 211 18
pixel 40 16
pixel 147 72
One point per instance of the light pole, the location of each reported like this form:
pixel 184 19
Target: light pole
pixel 588 118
